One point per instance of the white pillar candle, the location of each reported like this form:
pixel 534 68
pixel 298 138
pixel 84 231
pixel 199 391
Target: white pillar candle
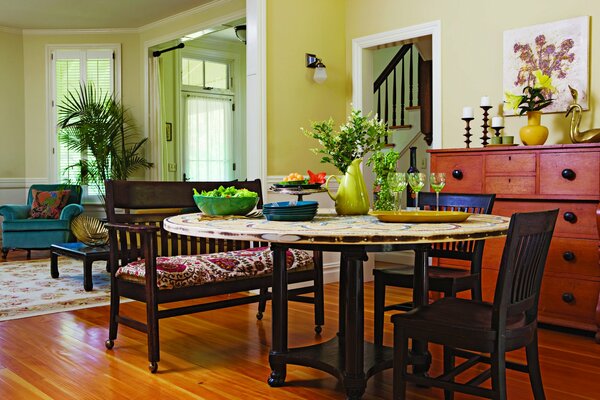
pixel 467 112
pixel 485 101
pixel 497 122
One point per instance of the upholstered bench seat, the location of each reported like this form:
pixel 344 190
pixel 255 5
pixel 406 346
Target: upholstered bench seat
pixel 183 271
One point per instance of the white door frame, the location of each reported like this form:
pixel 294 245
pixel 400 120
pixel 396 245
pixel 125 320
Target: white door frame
pixel 362 68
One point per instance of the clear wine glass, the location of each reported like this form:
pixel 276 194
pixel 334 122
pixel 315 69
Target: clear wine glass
pixel 416 180
pixel 397 183
pixel 437 181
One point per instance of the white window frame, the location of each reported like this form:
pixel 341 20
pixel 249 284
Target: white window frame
pixel 53 162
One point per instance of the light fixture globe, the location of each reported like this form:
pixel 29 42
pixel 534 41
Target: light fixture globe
pixel 320 75
pixel 240 32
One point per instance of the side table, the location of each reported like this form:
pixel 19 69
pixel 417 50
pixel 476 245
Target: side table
pixel 79 251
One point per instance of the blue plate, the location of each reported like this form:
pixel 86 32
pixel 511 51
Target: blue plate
pixel 291 204
pixel 278 217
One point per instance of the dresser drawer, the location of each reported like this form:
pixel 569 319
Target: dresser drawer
pixel 573 256
pixel 464 174
pixel 510 184
pixel 510 163
pixel 571 300
pixel 581 175
pixel 575 219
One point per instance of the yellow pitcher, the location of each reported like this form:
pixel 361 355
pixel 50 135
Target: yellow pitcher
pixel 352 197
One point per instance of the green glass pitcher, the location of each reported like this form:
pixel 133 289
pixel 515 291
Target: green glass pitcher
pixel 352 197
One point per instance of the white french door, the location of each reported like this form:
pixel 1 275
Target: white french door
pixel 208 145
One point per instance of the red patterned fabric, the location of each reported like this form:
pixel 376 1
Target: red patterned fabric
pixel 48 205
pixel 182 271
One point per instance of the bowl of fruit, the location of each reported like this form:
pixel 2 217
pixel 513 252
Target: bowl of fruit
pixel 296 180
pixel 226 201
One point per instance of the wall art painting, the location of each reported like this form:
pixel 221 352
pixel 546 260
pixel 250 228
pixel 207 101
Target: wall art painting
pixel 560 50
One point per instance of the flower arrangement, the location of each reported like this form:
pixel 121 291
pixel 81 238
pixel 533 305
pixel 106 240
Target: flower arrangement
pixel 383 165
pixel 357 137
pixel 534 98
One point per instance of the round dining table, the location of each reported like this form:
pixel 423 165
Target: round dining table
pixel 346 356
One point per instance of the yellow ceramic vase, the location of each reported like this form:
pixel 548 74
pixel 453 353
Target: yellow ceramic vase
pixel 351 197
pixel 533 133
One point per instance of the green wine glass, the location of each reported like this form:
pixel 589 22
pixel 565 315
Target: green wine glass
pixel 397 183
pixel 437 181
pixel 416 180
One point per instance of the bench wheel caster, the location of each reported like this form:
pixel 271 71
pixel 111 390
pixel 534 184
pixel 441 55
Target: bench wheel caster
pixel 318 329
pixel 109 344
pixel 259 315
pixel 153 366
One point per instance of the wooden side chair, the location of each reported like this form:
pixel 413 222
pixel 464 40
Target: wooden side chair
pixel 449 280
pixel 153 266
pixel 467 328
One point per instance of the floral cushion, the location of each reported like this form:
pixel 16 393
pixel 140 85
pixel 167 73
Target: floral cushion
pixel 48 205
pixel 182 271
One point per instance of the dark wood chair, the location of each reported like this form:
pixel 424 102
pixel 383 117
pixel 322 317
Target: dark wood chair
pixel 147 260
pixel 449 280
pixel 467 328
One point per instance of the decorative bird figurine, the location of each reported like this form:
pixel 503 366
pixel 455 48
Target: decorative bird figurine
pixel 589 136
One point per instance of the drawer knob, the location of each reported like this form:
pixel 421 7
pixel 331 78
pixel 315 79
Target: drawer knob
pixel 570 217
pixel 568 297
pixel 457 174
pixel 568 174
pixel 568 256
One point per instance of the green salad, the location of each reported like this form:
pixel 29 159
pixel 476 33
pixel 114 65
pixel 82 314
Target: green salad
pixel 231 191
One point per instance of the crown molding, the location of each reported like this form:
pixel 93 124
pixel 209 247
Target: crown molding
pixel 191 11
pixel 107 31
pixel 15 31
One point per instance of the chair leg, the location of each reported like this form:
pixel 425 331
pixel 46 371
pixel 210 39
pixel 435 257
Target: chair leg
pixel 113 325
pixel 29 254
pixel 262 302
pixel 379 300
pixel 476 290
pixel 533 363
pixel 319 296
pixel 448 365
pixel 400 362
pixel 153 339
pixel 498 359
pixel 4 253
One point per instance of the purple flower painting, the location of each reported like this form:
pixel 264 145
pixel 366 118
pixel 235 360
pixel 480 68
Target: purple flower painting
pixel 559 49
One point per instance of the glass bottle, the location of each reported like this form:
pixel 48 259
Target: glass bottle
pixel 410 194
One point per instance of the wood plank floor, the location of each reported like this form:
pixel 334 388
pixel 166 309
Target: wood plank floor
pixel 223 354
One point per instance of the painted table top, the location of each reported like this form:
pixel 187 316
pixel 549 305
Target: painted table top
pixel 334 229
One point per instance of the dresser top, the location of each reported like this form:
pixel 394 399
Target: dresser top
pixel 555 147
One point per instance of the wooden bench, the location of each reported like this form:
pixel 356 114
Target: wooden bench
pixel 157 267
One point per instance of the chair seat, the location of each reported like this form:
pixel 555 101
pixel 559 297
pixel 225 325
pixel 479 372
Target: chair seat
pixel 184 271
pixel 32 225
pixel 458 322
pixel 441 279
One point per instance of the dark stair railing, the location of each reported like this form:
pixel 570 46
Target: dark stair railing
pixel 381 83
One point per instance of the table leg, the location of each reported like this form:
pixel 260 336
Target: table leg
pixel 342 297
pixel 419 353
pixel 87 275
pixel 54 265
pixel 354 374
pixel 279 307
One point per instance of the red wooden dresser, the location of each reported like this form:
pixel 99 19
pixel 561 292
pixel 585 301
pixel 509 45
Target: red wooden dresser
pixel 527 178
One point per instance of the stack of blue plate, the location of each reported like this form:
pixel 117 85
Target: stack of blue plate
pixel 290 210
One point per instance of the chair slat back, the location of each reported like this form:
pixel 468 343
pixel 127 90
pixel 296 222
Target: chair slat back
pixel 522 265
pixel 473 203
pixel 149 203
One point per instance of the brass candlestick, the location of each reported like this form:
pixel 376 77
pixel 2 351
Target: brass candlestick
pixel 468 129
pixel 485 137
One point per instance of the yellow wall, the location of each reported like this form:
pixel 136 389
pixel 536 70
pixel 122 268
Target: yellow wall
pixel 293 98
pixel 472 34
pixel 12 135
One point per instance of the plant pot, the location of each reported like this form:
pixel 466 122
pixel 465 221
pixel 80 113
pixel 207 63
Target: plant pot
pixel 533 133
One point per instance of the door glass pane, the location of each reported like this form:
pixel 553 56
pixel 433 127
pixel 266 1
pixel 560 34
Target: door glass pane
pixel 192 72
pixel 216 75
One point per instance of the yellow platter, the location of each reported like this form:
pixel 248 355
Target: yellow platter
pixel 421 216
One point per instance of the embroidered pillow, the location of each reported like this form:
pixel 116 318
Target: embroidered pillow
pixel 48 205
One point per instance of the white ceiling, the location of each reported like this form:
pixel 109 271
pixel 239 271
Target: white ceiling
pixel 89 14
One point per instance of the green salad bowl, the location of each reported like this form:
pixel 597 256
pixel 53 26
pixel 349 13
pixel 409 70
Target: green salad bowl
pixel 211 205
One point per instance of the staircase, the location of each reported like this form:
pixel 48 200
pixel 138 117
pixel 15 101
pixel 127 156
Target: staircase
pixel 400 73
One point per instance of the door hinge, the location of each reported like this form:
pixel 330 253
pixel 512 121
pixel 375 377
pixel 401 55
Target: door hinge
pixel 232 106
pixel 234 166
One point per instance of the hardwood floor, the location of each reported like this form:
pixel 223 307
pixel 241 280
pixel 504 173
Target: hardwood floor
pixel 223 354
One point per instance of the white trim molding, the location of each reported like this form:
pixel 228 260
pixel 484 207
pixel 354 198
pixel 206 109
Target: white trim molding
pixel 361 67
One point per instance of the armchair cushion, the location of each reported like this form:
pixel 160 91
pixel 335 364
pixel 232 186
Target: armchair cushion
pixel 48 205
pixel 182 271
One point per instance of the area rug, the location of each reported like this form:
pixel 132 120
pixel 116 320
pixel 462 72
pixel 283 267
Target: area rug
pixel 27 289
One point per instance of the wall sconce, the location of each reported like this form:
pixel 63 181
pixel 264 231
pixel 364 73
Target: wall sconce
pixel 240 32
pixel 320 72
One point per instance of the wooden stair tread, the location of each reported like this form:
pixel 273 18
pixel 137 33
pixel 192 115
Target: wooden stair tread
pixel 396 127
pixel 412 108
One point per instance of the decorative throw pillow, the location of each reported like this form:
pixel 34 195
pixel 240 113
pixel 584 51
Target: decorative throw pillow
pixel 48 205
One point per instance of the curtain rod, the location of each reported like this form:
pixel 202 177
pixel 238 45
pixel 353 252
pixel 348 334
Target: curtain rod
pixel 157 53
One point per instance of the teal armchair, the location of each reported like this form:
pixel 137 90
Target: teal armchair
pixel 21 232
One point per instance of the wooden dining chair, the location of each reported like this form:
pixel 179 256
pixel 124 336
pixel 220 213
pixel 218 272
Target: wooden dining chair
pixel 467 328
pixel 445 279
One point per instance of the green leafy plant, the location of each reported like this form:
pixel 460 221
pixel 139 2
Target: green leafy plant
pixel 95 123
pixel 534 98
pixel 357 137
pixel 383 164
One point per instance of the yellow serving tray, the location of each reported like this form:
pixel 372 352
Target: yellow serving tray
pixel 421 216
